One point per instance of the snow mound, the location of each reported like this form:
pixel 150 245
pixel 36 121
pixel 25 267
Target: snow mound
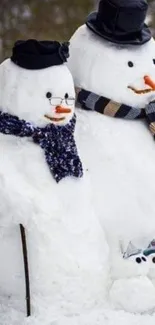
pixel 114 176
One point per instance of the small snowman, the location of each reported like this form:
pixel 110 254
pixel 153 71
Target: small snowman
pixel 130 269
pixel 112 60
pixel 42 189
pixel 149 252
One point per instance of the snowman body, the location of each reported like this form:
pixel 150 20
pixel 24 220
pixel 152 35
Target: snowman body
pixel 125 154
pixel 59 219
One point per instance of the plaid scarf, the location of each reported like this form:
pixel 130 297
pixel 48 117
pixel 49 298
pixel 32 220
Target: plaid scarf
pixel 90 101
pixel 57 142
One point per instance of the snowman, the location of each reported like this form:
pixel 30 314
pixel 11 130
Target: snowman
pixel 149 253
pixel 43 193
pixel 112 60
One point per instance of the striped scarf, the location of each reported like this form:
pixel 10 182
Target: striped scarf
pixel 91 101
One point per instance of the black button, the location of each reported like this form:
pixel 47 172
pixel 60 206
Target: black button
pixel 153 260
pixel 48 95
pixel 130 64
pixel 138 260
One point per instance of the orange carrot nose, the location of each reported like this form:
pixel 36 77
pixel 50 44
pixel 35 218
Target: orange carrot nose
pixel 60 110
pixel 149 82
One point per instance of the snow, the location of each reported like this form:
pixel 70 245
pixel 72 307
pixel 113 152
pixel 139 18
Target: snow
pixel 89 317
pixel 77 230
pixel 81 267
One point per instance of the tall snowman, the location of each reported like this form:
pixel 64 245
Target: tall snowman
pixel 112 60
pixel 43 193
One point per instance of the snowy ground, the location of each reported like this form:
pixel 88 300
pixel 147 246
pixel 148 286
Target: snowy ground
pixel 102 316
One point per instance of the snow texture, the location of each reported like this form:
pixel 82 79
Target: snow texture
pixel 78 230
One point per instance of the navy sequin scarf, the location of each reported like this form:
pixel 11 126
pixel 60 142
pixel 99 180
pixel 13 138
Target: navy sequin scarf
pixel 57 142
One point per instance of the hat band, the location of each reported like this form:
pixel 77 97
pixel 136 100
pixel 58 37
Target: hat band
pixel 36 61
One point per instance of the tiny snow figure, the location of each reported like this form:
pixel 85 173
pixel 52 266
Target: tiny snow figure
pixel 114 74
pixel 64 237
pixel 149 252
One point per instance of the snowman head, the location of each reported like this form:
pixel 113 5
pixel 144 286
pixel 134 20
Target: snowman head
pixel 128 262
pixel 35 83
pixel 149 252
pixel 116 54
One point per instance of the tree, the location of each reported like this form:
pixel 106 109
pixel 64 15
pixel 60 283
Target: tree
pixel 40 19
pixel 151 14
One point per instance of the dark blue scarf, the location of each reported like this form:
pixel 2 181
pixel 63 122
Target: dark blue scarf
pixel 57 142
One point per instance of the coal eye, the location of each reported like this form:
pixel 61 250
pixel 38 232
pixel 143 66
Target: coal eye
pixel 48 95
pixel 130 64
pixel 154 61
pixel 153 260
pixel 138 260
pixel 66 96
pixel 143 258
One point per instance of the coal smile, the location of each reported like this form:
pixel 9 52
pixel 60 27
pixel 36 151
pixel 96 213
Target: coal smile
pixel 54 119
pixel 141 91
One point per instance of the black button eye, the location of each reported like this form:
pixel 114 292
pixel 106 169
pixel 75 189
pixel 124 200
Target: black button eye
pixel 48 95
pixel 143 258
pixel 130 64
pixel 153 260
pixel 66 96
pixel 138 260
pixel 154 61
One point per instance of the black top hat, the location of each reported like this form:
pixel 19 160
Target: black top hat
pixel 33 54
pixel 121 21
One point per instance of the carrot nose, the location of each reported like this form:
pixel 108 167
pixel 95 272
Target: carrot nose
pixel 60 110
pixel 149 82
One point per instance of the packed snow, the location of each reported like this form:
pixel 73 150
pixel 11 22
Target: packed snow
pixel 81 233
pixel 78 230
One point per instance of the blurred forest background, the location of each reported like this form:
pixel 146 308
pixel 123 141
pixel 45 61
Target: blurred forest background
pixel 46 19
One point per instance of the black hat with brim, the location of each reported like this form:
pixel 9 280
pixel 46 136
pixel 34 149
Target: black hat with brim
pixel 121 22
pixel 33 55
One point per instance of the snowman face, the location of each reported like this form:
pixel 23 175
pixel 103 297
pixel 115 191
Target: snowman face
pixel 151 260
pixel 134 265
pixel 123 74
pixel 137 265
pixel 138 259
pixel 38 96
